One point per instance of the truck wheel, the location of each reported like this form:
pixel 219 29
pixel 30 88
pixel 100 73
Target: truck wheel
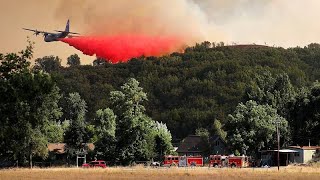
pixel 233 165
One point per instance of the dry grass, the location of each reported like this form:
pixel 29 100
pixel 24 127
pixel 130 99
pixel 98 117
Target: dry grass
pixel 163 173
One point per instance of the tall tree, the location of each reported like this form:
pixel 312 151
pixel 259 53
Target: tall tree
pixel 106 130
pixel 73 60
pixel 135 132
pixel 252 127
pixel 163 138
pixel 28 105
pixel 305 116
pixel 76 135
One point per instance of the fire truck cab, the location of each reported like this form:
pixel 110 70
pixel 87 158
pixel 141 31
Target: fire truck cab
pixel 171 161
pixel 218 161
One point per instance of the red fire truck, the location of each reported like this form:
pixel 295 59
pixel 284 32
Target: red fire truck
pixel 183 161
pixel 238 161
pixel 229 161
pixel 171 160
pixel 218 161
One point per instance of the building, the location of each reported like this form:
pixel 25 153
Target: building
pixel 58 154
pixel 304 153
pixel 194 145
pixel 269 157
pixel 292 154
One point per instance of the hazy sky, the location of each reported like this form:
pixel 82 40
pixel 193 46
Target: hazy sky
pixel 275 22
pixel 37 14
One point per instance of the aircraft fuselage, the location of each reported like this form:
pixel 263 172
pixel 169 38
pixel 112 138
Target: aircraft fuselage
pixel 55 37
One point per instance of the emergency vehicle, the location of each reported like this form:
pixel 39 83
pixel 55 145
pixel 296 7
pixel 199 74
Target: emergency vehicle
pixel 218 161
pixel 171 160
pixel 238 161
pixel 183 161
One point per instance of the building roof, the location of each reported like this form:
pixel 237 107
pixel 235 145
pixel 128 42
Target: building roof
pixel 281 150
pixel 305 147
pixel 59 148
pixel 191 143
pixel 287 151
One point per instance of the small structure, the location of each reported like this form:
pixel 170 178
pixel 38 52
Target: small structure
pixel 58 154
pixel 269 157
pixel 292 154
pixel 304 153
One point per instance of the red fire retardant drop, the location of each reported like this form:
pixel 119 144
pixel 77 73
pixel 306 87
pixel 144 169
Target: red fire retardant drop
pixel 122 48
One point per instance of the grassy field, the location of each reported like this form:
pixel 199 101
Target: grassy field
pixel 163 173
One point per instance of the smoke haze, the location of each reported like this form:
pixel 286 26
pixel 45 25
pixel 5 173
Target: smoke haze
pixel 280 22
pixel 275 22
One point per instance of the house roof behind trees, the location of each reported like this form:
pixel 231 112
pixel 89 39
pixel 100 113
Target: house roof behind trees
pixel 192 143
pixel 59 148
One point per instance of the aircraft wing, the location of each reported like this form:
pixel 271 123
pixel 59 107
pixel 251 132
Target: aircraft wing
pixel 36 32
pixel 72 36
pixel 67 32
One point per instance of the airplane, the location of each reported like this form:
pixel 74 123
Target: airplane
pixel 50 37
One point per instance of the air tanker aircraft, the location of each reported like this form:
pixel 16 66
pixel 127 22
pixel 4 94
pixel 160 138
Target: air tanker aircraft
pixel 50 37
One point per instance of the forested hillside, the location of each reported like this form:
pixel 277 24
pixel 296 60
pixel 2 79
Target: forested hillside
pixel 190 90
pixel 133 111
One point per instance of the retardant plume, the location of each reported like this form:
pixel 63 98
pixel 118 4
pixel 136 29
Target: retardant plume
pixel 122 48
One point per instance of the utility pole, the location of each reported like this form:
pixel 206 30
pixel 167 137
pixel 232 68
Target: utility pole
pixel 278 138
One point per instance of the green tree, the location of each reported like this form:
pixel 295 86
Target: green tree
pixel 76 135
pixel 217 129
pixel 48 63
pixel 105 130
pixel 276 92
pixel 28 105
pixel 73 60
pixel 305 116
pixel 135 131
pixel 55 131
pixel 163 138
pixel 252 127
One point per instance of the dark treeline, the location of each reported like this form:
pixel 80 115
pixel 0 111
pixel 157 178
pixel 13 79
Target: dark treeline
pixel 239 92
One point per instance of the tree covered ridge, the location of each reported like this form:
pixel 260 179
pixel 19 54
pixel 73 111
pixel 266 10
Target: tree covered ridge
pixel 190 90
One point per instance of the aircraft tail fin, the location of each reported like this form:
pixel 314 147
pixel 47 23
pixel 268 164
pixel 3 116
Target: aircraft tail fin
pixel 68 26
pixel 67 30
